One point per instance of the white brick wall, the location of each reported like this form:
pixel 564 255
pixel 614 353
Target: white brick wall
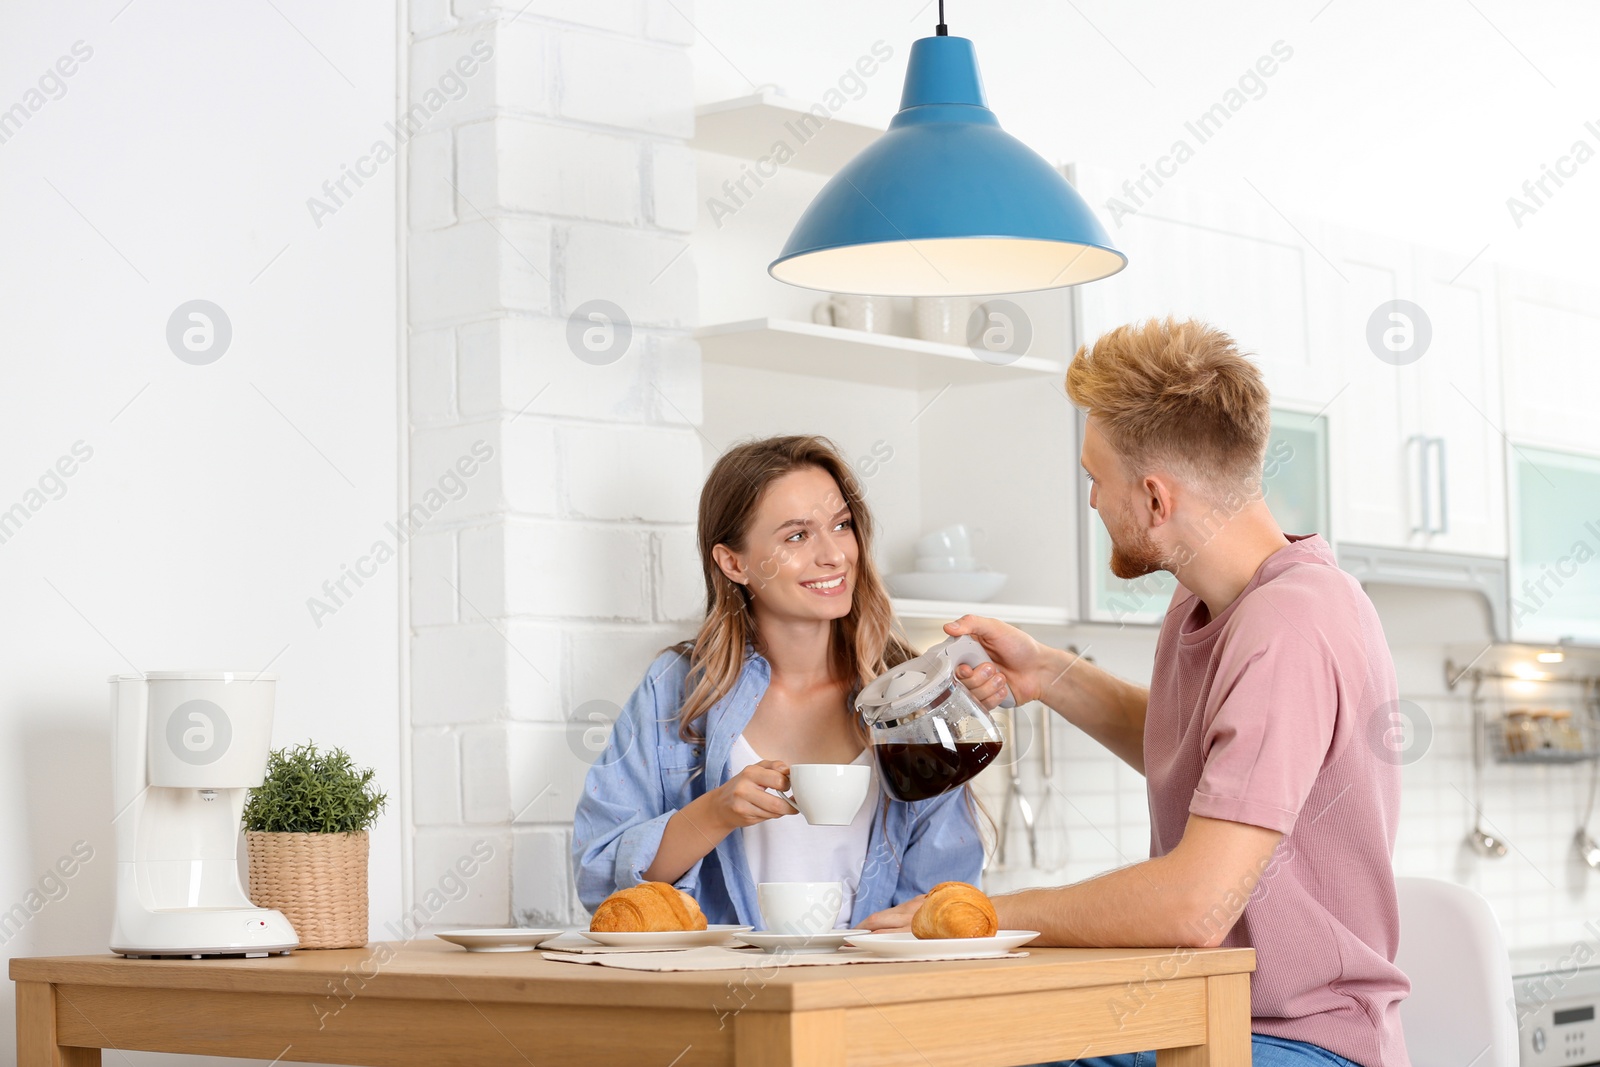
pixel 543 583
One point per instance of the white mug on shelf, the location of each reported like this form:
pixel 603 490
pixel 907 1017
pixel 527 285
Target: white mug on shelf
pixel 942 318
pixel 870 314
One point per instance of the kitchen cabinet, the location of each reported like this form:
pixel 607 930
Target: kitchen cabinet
pixel 1230 261
pixel 1415 445
pixel 1294 482
pixel 1555 545
pixel 1417 449
pixel 1551 332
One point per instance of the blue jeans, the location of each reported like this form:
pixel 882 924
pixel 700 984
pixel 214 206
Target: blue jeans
pixel 1264 1052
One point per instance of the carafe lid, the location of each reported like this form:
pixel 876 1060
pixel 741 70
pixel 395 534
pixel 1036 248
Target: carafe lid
pixel 918 685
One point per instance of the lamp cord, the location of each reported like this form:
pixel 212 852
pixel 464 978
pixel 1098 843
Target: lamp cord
pixel 941 30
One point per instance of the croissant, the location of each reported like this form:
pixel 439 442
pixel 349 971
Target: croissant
pixel 955 909
pixel 647 906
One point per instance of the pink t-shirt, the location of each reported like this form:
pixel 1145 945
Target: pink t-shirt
pixel 1274 714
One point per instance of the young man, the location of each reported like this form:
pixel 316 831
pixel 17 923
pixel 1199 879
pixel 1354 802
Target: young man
pixel 1273 799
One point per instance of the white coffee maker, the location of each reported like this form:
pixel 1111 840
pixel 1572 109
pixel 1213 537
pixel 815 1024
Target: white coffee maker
pixel 186 747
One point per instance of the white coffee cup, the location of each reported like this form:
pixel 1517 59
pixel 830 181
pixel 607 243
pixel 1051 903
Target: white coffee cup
pixel 799 907
pixel 828 794
pixel 871 314
pixel 942 318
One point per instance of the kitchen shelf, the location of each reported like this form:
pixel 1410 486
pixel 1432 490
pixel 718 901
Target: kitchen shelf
pixel 949 610
pixel 1500 746
pixel 748 126
pixel 854 355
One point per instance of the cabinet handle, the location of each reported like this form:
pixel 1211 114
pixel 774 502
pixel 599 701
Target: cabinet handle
pixel 1444 491
pixel 1418 444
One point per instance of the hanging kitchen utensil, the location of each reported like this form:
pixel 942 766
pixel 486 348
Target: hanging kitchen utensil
pixel 1482 842
pixel 1050 823
pixel 1016 798
pixel 1588 848
pixel 1049 827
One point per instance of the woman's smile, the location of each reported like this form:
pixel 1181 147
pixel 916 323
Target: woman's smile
pixel 831 586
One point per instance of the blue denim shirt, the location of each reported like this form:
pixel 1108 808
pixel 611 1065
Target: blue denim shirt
pixel 647 773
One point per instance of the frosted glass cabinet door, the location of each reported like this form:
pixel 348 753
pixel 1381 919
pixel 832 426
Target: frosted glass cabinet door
pixel 1295 483
pixel 1555 545
pixel 1295 478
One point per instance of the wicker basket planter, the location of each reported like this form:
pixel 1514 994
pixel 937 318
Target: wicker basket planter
pixel 318 881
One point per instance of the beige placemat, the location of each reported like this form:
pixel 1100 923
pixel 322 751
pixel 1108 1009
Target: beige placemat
pixel 575 943
pixel 735 959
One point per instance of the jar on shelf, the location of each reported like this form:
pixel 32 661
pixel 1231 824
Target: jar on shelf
pixel 1546 738
pixel 1519 732
pixel 1565 731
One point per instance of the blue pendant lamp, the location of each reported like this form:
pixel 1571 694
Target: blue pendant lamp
pixel 946 203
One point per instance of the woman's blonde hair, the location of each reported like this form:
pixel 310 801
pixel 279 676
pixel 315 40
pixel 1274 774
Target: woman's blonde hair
pixel 1178 395
pixel 866 642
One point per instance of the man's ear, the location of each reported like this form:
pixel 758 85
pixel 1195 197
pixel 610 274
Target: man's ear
pixel 1159 497
pixel 728 561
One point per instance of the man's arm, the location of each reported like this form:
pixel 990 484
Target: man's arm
pixel 1100 704
pixel 1191 897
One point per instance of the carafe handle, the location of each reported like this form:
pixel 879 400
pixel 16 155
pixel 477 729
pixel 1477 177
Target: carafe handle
pixel 966 651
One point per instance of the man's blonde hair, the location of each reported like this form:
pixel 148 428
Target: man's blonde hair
pixel 1177 395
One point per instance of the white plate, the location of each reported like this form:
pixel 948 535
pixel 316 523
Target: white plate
pixel 715 934
pixel 516 940
pixel 970 586
pixel 907 946
pixel 826 941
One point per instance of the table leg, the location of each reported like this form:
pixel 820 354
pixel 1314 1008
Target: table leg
pixel 785 1039
pixel 1227 1027
pixel 36 1031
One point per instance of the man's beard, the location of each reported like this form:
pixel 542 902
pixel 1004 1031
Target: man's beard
pixel 1136 558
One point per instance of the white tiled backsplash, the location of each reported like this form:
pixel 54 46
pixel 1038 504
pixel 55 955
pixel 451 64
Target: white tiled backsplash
pixel 1540 890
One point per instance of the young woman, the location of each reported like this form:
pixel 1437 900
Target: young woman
pixel 797 621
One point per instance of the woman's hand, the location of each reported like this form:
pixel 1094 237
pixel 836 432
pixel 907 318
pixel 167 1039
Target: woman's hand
pixel 896 919
pixel 743 800
pixel 1020 660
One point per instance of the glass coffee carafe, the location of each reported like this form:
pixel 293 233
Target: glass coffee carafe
pixel 928 733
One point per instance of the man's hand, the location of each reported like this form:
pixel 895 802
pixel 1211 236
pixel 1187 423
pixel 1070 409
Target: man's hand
pixel 896 919
pixel 1019 658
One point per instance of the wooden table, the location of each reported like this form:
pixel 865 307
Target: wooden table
pixel 428 1004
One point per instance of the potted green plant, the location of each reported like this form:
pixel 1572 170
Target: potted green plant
pixel 306 832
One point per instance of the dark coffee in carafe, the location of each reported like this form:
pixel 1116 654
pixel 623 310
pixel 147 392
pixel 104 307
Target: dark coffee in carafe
pixel 919 771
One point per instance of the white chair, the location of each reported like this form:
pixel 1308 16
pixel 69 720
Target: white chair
pixel 1460 1008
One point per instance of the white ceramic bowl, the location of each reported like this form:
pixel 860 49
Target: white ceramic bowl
pixel 969 586
pixel 947 563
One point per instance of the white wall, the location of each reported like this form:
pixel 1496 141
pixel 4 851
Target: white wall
pixel 177 166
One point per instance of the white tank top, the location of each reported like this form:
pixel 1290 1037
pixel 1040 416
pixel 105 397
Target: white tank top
pixel 792 850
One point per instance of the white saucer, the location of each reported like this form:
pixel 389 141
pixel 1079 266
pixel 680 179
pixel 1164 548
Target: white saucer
pixel 715 934
pixel 825 941
pixel 514 940
pixel 907 946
